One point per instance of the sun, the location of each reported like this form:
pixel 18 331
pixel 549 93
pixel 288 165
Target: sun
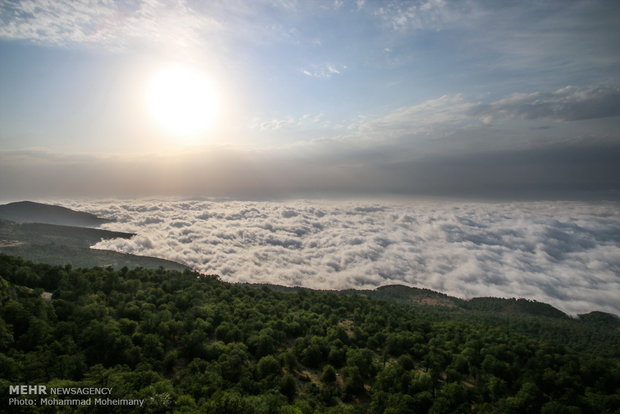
pixel 182 100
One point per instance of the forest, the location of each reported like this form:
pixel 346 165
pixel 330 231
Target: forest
pixel 190 343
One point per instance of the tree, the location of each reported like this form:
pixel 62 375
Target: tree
pixel 288 386
pixel 353 382
pixel 268 366
pixel 362 359
pixel 228 332
pixel 329 374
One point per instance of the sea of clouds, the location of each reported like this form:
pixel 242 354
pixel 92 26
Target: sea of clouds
pixel 563 253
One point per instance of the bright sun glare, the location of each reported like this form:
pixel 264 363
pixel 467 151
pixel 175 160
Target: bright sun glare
pixel 182 100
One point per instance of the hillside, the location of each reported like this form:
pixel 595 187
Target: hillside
pixel 412 295
pixel 186 343
pixel 31 212
pixel 602 319
pixel 61 245
pixel 418 296
pixel 57 235
pixel 596 332
pixel 514 306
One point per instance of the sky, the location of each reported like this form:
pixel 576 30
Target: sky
pixel 282 98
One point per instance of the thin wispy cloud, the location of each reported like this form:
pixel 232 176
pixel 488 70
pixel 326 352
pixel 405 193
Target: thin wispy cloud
pixel 112 24
pixel 569 103
pixel 566 104
pixel 459 121
pixel 306 120
pixel 162 24
pixel 324 71
pixel 424 118
pixel 422 14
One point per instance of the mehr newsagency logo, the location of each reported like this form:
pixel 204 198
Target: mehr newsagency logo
pixel 42 395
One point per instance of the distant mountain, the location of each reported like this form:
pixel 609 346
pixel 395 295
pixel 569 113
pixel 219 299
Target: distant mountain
pixel 42 233
pixel 57 235
pixel 61 245
pixel 31 212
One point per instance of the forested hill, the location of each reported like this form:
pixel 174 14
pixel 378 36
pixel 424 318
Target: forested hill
pixel 594 332
pixel 31 212
pixel 189 343
pixel 429 297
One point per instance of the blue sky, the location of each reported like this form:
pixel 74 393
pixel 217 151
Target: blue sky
pixel 454 98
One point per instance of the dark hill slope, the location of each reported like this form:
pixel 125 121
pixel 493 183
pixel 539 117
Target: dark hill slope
pixel 62 235
pixel 61 245
pixel 57 235
pixel 31 212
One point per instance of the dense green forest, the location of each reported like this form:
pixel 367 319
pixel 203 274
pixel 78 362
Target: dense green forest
pixel 190 343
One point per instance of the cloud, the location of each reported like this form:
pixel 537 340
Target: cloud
pixel 304 121
pixel 121 25
pixel 273 125
pixel 451 145
pixel 566 254
pixel 515 43
pixel 422 14
pixel 443 113
pixel 448 114
pixel 566 104
pixel 113 24
pixel 173 24
pixel 325 71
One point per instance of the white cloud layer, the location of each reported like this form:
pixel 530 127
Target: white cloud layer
pixel 565 254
